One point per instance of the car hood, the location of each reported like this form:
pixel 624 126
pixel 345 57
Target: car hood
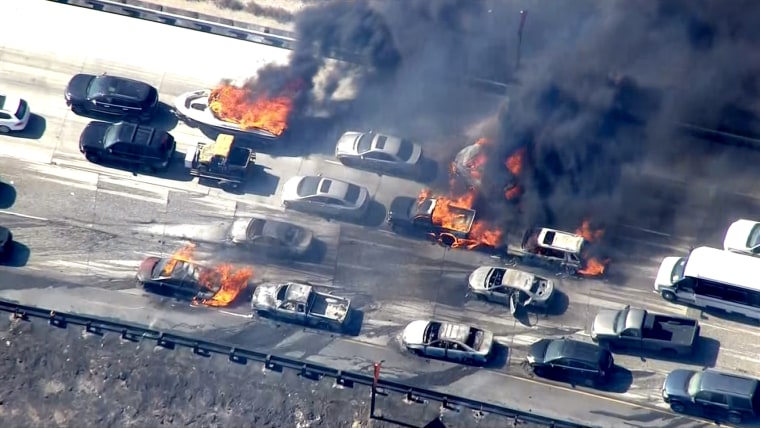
pixel 290 188
pixel 94 134
pixel 665 272
pixel 604 322
pixel 477 280
pixel 145 271
pixel 347 143
pixel 238 230
pixel 414 332
pixel 77 87
pixel 463 163
pixel 264 296
pixel 182 102
pixel 677 383
pixel 538 350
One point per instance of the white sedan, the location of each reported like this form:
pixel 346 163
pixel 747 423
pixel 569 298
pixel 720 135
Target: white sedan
pixel 743 236
pixel 449 341
pixel 14 114
pixel 379 152
pixel 325 196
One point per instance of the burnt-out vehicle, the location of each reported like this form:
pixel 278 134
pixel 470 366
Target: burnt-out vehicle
pixel 470 165
pixel 552 248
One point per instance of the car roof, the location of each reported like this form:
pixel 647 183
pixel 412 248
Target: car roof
pixel 516 278
pixel 713 380
pixel 386 144
pixel 455 332
pixel 328 187
pixel 560 240
pixel 297 292
pixel 268 227
pixel 573 349
pixel 123 87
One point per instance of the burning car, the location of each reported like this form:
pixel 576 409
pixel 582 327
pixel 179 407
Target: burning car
pixel 227 109
pixel 470 164
pixel 449 221
pixel 179 276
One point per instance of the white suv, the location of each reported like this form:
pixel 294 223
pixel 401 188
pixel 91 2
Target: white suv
pixel 14 114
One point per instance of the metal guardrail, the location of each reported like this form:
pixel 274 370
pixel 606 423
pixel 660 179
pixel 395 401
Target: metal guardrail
pixel 308 370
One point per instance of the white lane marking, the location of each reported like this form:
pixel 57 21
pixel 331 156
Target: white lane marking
pixel 162 191
pixel 135 197
pixel 25 152
pixel 97 268
pixel 33 217
pixel 239 315
pixel 78 175
pixel 78 185
pixel 653 232
pixel 334 162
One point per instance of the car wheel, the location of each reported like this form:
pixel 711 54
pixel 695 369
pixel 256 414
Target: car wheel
pixel 92 157
pixel 4 130
pixel 735 418
pixel 669 296
pixel 677 407
pixel 286 204
pixel 416 352
pixel 77 109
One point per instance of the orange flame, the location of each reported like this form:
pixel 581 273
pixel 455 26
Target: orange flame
pixel 184 254
pixel 513 192
pixel 233 104
pixel 594 267
pixel 514 162
pixel 229 281
pixel 589 234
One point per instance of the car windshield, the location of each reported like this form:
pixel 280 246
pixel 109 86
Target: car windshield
pixel 308 186
pixel 365 143
pixel 22 108
pixel 554 350
pixel 352 193
pixel 537 282
pixel 694 383
pixel 432 331
pixel 405 150
pixel 677 273
pixel 255 228
pixel 159 267
pixel 752 242
pixel 99 86
pixel 474 338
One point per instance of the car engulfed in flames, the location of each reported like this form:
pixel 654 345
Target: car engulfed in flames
pixel 471 163
pixel 216 286
pixel 251 110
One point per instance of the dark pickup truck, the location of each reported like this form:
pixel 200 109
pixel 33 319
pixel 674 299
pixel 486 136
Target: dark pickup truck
pixel 634 328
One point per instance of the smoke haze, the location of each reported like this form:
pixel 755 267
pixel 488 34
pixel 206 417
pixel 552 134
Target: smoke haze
pixel 600 83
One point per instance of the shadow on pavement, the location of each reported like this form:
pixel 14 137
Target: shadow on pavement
pixel 34 130
pixel 375 215
pixel 705 354
pixel 499 358
pixel 163 118
pixel 262 183
pixel 19 255
pixel 176 170
pixel 354 322
pixel 428 170
pixel 7 195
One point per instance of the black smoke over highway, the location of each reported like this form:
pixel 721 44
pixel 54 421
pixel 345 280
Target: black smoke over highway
pixel 599 87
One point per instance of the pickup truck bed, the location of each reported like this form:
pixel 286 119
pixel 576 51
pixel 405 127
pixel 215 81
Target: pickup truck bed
pixel 675 330
pixel 331 307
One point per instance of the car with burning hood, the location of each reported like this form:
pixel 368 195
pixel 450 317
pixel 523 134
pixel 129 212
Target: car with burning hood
pixel 325 196
pixel 274 238
pixel 415 216
pixel 379 152
pixel 471 165
pixel 570 359
pixel 300 303
pixel 129 143
pixel 14 113
pixel 175 277
pixel 111 95
pixel 510 286
pixel 448 341
pixel 743 237
pixel 543 245
pixel 195 108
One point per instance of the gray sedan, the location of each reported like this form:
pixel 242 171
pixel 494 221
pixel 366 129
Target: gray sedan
pixel 325 196
pixel 271 237
pixel 379 152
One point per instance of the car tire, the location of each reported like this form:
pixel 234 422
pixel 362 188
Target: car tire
pixel 668 295
pixel 735 418
pixel 77 109
pixel 92 157
pixel 677 407
pixel 286 204
pixel 416 352
pixel 4 130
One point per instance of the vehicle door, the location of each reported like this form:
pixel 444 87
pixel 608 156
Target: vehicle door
pixel 712 403
pixel 127 106
pixel 456 351
pixel 499 294
pixel 104 104
pixel 562 367
pixel 287 310
pixel 6 119
pixel 266 245
pixel 126 152
pixel 380 161
pixel 435 349
pixel 320 205
pixel 631 338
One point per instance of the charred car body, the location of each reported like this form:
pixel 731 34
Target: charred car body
pixel 470 166
pixel 552 248
pixel 179 278
pixel 510 286
pixel 274 238
pixel 300 303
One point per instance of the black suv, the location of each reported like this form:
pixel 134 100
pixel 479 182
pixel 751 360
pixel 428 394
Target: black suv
pixel 715 394
pixel 111 95
pixel 570 359
pixel 128 143
pixel 6 242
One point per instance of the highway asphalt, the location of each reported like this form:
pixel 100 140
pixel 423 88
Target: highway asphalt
pixel 83 229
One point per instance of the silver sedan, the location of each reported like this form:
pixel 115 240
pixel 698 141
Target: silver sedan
pixel 325 196
pixel 449 341
pixel 379 152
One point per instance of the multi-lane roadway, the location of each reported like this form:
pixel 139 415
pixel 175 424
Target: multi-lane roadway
pixel 83 229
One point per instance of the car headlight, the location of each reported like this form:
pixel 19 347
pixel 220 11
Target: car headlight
pixel 531 359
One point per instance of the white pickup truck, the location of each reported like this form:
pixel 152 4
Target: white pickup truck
pixel 300 303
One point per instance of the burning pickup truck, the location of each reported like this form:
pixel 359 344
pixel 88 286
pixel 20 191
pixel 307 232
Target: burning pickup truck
pixel 450 222
pixel 300 303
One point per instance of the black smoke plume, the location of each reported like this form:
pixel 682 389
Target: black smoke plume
pixel 600 87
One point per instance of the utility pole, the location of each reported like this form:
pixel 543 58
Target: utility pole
pixel 375 379
pixel 523 17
